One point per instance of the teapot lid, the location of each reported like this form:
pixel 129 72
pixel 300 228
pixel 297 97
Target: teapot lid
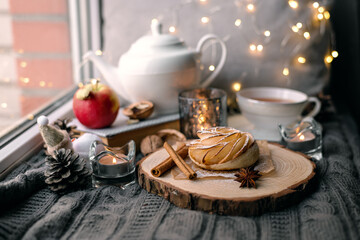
pixel 157 39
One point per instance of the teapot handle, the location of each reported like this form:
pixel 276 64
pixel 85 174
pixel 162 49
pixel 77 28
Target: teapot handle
pixel 206 82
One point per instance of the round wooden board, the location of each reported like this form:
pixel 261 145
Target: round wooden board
pixel 287 184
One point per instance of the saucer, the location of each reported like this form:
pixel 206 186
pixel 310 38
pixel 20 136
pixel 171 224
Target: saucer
pixel 239 122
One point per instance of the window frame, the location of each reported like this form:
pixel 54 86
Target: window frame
pixel 84 22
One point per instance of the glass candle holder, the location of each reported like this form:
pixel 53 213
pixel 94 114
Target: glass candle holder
pixel 112 165
pixel 201 109
pixel 304 136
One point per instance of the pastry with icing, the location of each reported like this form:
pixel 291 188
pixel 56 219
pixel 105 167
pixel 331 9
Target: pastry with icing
pixel 223 148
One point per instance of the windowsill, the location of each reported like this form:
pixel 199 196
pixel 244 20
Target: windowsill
pixel 28 143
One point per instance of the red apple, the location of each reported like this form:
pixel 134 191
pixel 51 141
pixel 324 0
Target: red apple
pixel 96 105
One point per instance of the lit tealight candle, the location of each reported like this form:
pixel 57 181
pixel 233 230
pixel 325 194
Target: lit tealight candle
pixel 302 142
pixel 109 160
pixel 113 167
pixel 304 136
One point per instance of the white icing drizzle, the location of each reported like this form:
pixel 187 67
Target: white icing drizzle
pixel 201 149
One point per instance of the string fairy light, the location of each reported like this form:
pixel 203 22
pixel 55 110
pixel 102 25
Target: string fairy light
pixel 257 48
pixel 236 86
pixel 295 29
pixel 326 15
pixel 252 47
pixel 250 7
pixel 30 117
pixel 25 80
pixel 301 60
pixel 237 22
pixel 306 35
pixel 98 52
pixel 285 71
pixel 4 105
pixel 302 28
pixel 293 4
pixel 329 59
pixel 172 29
pixel 335 54
pixel 205 20
pixel 23 64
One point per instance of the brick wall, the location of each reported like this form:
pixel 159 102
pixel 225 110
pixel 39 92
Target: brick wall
pixel 40 49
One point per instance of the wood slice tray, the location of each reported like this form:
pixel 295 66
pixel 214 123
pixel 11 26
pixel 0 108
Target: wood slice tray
pixel 284 186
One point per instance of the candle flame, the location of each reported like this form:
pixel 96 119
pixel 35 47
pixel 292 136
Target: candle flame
pixel 114 161
pixel 302 137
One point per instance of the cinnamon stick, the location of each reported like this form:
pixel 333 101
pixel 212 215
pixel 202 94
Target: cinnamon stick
pixel 186 169
pixel 168 163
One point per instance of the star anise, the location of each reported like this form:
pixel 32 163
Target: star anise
pixel 247 177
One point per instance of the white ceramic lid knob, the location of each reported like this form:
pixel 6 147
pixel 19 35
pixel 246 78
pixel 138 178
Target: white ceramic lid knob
pixel 156 27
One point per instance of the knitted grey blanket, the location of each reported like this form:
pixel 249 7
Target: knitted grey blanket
pixel 29 210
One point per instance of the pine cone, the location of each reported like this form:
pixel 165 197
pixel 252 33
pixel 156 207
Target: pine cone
pixel 66 170
pixel 62 124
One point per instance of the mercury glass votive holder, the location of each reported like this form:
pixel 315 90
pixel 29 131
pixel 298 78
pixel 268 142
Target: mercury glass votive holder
pixel 201 109
pixel 304 136
pixel 112 165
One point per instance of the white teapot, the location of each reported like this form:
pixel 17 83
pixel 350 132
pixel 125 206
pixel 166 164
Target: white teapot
pixel 156 68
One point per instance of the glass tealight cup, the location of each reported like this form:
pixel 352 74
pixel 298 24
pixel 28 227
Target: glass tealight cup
pixel 304 136
pixel 112 165
pixel 201 109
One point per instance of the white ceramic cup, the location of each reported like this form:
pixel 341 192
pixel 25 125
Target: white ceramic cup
pixel 285 108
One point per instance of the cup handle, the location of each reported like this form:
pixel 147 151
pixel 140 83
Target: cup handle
pixel 316 108
pixel 206 82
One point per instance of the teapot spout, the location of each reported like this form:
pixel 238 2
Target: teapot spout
pixel 109 72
